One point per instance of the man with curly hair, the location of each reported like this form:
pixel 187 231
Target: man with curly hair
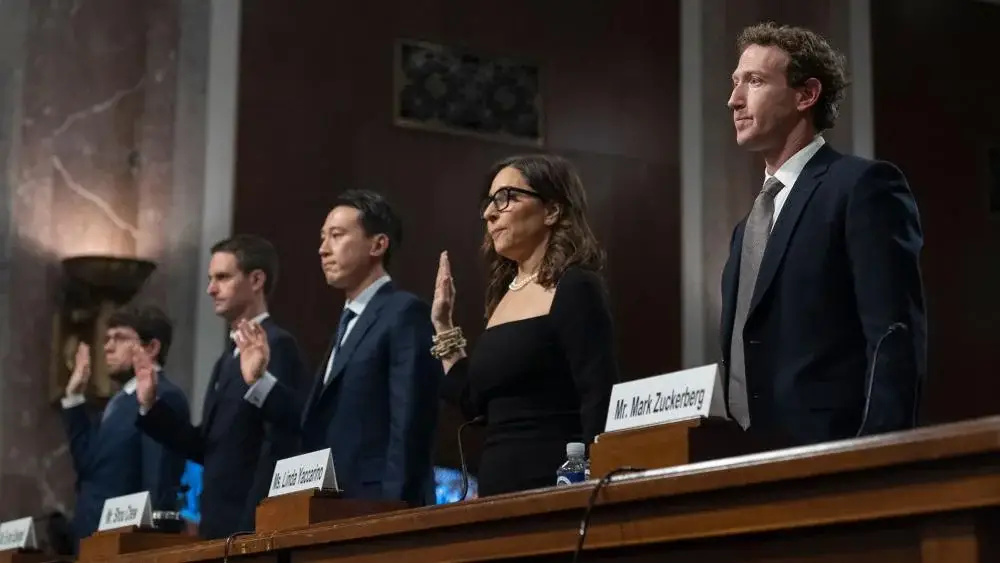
pixel 823 321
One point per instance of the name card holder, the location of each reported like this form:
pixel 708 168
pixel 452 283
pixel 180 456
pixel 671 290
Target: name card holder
pixel 672 444
pixel 305 508
pixel 669 420
pixel 18 543
pixel 304 492
pixel 120 541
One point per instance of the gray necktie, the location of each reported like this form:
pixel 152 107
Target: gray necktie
pixel 755 235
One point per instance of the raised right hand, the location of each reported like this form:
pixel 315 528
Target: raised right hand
pixel 81 371
pixel 145 377
pixel 444 296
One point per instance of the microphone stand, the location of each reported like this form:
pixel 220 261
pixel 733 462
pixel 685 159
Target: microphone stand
pixel 461 453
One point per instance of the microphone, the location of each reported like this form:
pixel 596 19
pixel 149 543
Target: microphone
pixel 871 372
pixel 461 453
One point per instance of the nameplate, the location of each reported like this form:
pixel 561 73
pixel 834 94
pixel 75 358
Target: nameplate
pixel 124 511
pixel 18 534
pixel 670 397
pixel 313 470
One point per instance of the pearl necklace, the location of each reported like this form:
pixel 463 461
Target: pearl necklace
pixel 515 286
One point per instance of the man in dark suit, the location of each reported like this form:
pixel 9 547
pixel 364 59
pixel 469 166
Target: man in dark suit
pixel 110 455
pixel 237 442
pixel 375 398
pixel 823 323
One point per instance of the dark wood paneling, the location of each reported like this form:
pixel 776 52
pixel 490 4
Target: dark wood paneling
pixel 935 86
pixel 315 118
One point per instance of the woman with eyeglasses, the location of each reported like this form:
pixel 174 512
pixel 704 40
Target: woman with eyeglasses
pixel 542 371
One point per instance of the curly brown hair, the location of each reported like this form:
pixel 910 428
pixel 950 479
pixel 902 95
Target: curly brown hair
pixel 572 242
pixel 810 56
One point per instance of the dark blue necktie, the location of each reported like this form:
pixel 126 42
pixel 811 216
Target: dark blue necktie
pixel 345 318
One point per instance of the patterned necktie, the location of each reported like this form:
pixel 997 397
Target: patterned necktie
pixel 346 317
pixel 755 235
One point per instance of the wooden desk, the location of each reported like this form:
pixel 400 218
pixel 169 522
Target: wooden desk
pixel 21 556
pixel 929 496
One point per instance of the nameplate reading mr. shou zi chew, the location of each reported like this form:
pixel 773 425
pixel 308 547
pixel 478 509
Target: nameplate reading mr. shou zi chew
pixel 129 510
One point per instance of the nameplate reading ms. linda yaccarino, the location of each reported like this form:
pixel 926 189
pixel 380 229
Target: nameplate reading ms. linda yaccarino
pixel 128 510
pixel 663 398
pixel 298 475
pixel 313 470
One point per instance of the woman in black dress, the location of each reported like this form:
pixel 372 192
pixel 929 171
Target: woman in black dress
pixel 543 369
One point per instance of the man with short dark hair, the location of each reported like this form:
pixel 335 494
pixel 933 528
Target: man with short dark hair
pixel 237 443
pixel 375 398
pixel 823 323
pixel 111 457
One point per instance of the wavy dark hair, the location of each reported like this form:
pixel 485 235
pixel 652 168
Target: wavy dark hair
pixel 809 56
pixel 572 242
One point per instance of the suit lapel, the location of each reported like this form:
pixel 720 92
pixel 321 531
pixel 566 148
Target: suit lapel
pixel 730 282
pixel 214 388
pixel 364 322
pixel 318 386
pixel 784 228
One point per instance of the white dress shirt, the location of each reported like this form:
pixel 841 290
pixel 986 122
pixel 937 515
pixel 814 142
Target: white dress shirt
pixel 789 172
pixel 357 306
pixel 259 391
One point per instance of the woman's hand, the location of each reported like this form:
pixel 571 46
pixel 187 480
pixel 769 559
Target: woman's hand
pixel 444 296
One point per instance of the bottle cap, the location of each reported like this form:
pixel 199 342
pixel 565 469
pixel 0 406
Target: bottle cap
pixel 576 449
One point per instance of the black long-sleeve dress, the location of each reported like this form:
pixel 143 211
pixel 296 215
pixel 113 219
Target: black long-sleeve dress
pixel 541 382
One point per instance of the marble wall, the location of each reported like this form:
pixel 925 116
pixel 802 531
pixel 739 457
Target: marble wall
pixel 102 135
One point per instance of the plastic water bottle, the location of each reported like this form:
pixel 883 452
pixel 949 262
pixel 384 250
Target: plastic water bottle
pixel 577 468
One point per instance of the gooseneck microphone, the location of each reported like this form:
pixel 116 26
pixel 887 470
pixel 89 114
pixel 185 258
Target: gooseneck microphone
pixel 461 453
pixel 872 371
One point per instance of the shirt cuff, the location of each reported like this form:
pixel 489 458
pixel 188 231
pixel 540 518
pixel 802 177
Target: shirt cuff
pixel 258 392
pixel 74 400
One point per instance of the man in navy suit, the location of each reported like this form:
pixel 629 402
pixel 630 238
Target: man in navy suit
pixel 237 442
pixel 111 456
pixel 375 398
pixel 823 322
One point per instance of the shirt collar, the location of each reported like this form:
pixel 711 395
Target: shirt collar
pixel 790 171
pixel 258 319
pixel 358 304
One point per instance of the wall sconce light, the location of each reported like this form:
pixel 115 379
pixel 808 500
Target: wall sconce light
pixel 92 288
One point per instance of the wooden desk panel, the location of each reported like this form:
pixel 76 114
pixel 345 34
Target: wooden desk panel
pixel 928 495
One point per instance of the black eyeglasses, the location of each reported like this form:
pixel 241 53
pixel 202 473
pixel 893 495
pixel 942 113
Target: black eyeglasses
pixel 502 198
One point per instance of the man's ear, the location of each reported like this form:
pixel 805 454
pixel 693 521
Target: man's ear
pixel 153 348
pixel 380 244
pixel 552 213
pixel 257 280
pixel 808 94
